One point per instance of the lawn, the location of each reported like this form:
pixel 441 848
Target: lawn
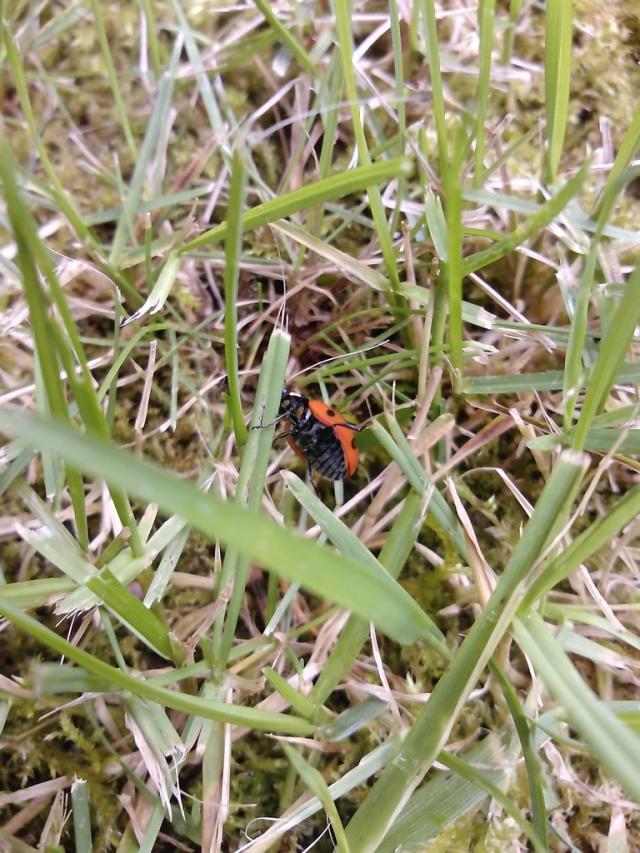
pixel 424 216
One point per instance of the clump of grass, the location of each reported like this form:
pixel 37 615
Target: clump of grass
pixel 394 209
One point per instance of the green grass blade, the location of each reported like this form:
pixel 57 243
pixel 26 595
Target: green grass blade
pixel 611 353
pixel 545 214
pixel 428 18
pixel 468 771
pixel 433 725
pixel 400 451
pixel 348 543
pixel 116 91
pixel 557 78
pixel 352 585
pixel 81 816
pixel 286 37
pixel 327 189
pixel 345 40
pixel 159 118
pixel 316 784
pixel 486 16
pixel 251 483
pixel 393 556
pixel 446 798
pixel 614 744
pixel 534 769
pixel 225 712
pixel 590 541
pixel 233 249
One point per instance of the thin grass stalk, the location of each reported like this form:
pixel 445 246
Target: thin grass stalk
pixel 453 266
pixel 251 482
pixel 121 110
pixel 532 762
pixel 611 353
pixel 317 786
pixel 486 18
pixel 233 249
pixel 57 190
pixel 437 92
pixel 343 25
pixel 509 33
pixel 467 771
pixel 131 203
pixel 433 725
pixel 557 79
pixel 152 36
pixel 579 326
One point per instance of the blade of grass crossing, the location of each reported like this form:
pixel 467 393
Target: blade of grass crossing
pixel 468 771
pixel 158 118
pixel 236 714
pixel 328 189
pixel 349 544
pixel 402 454
pixel 433 725
pixel 233 249
pixel 596 536
pixel 545 214
pixel 528 750
pixel 393 556
pixel 24 230
pixel 578 333
pixel 614 744
pixel 320 569
pixel 316 784
pixel 47 330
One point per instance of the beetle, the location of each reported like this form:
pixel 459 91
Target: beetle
pixel 319 435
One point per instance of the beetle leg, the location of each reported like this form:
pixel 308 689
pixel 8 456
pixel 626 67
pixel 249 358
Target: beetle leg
pixel 272 424
pixel 310 479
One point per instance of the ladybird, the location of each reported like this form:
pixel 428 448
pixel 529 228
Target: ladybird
pixel 319 435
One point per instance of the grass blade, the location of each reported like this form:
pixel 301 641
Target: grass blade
pixel 321 191
pixel 354 586
pixel 557 78
pixel 233 249
pixel 431 729
pixel 616 746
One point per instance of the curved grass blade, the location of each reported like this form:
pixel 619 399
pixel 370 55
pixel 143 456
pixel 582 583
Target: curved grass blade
pixel 328 189
pixel 322 571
